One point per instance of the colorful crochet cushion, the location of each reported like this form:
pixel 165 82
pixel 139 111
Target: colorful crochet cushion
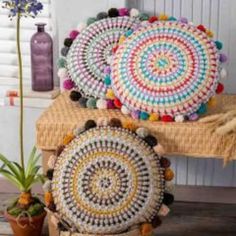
pixel 88 51
pixel 168 68
pixel 107 179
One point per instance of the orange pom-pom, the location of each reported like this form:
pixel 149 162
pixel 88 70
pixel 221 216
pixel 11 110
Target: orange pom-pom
pixel 146 229
pixel 210 34
pixel 129 125
pixel 153 19
pixel 163 17
pixel 68 138
pixel 48 198
pixel 212 102
pixel 153 117
pixel 110 94
pixel 220 88
pixel 169 174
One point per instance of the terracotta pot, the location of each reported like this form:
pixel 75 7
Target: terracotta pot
pixel 24 227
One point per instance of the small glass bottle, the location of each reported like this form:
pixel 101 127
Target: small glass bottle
pixel 42 60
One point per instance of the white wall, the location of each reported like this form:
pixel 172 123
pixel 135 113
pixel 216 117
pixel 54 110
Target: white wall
pixel 72 12
pixel 9 131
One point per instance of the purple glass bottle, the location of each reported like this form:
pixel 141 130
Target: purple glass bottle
pixel 42 60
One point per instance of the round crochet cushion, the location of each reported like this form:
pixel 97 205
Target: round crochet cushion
pixel 108 180
pixel 91 52
pixel 168 68
pixel 134 232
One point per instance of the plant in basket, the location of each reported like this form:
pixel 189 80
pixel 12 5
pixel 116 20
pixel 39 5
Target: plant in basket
pixel 26 214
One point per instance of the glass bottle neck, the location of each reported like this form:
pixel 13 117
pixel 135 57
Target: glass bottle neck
pixel 41 27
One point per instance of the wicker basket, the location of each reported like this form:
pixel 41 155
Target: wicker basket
pixel 188 139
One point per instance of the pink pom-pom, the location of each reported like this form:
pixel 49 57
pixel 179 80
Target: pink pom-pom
pixel 68 84
pixel 73 34
pixel 123 12
pixel 183 20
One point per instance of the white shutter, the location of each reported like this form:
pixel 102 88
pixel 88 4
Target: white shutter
pixel 8 51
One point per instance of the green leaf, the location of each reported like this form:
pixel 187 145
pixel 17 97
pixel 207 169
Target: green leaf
pixel 20 172
pixel 33 160
pixel 10 166
pixel 10 177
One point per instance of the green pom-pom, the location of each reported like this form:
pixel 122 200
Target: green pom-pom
pixel 144 115
pixel 202 109
pixel 91 103
pixel 171 18
pixel 219 45
pixel 107 80
pixel 91 20
pixel 61 63
pixel 102 15
pixel 143 16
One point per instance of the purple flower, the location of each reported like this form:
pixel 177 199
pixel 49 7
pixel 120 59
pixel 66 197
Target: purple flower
pixel 23 7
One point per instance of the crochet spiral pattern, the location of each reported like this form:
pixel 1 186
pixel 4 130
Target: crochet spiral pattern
pixel 107 180
pixel 91 52
pixel 167 68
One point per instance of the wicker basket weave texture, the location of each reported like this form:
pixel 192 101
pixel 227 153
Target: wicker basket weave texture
pixel 189 139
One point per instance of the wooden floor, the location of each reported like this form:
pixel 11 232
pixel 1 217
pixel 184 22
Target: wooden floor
pixel 185 219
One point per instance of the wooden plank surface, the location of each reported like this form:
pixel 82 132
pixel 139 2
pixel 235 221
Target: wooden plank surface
pixel 195 219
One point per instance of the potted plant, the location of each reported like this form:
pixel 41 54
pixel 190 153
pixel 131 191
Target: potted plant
pixel 26 214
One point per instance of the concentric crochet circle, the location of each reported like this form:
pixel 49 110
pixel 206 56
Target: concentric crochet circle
pixel 168 68
pixel 107 180
pixel 91 52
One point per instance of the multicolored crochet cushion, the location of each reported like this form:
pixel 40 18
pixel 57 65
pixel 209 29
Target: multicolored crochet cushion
pixel 169 68
pixel 88 51
pixel 108 178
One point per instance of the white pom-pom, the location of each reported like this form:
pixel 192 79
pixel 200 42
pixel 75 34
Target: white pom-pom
pixel 125 110
pixel 164 210
pixel 190 23
pixel 52 161
pixel 101 104
pixel 179 118
pixel 134 12
pixel 159 149
pixel 47 186
pixel 223 73
pixel 102 122
pixel 62 73
pixel 142 132
pixel 81 27
pixel 169 187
